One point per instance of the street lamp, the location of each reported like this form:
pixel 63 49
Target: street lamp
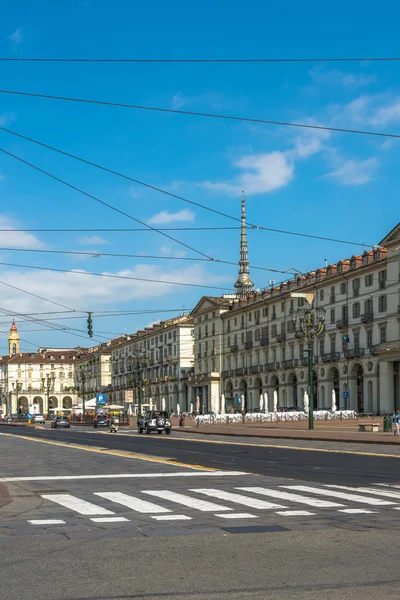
pixel 81 377
pixel 139 363
pixel 47 386
pixel 305 327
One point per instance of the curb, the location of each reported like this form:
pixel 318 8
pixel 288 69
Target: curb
pixel 295 437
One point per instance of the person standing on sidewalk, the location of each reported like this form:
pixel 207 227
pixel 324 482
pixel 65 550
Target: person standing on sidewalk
pixel 396 422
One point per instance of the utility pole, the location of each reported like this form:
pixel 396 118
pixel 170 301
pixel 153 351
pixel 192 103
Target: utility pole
pixel 82 380
pixel 304 327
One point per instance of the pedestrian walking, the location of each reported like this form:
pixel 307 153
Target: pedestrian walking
pixel 396 422
pixel 182 420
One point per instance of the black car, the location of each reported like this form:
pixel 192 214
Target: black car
pixel 154 420
pixel 101 421
pixel 60 422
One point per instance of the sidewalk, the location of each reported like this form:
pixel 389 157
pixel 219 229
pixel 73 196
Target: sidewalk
pixel 332 431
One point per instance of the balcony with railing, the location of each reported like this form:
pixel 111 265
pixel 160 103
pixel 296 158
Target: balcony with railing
pixel 241 371
pixel 287 364
pixel 342 323
pixel 272 366
pixel 354 352
pixel 234 348
pixel 281 337
pixel 254 369
pixel 373 349
pixel 356 291
pixel 248 344
pixel 264 341
pixel 367 317
pixel 328 356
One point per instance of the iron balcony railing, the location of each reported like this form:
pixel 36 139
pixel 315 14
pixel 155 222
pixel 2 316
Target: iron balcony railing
pixel 328 356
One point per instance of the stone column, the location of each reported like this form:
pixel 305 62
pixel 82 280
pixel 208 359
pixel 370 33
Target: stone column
pixel 386 390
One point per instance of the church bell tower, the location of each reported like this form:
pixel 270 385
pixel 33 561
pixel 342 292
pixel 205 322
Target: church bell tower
pixel 13 340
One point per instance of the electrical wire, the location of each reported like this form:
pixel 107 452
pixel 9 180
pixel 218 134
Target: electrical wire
pixel 114 208
pixel 130 229
pixel 14 287
pixel 200 114
pixel 139 256
pixel 195 285
pixel 199 60
pixel 158 189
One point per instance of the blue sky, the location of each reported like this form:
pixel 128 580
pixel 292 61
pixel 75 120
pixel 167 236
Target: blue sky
pixel 329 184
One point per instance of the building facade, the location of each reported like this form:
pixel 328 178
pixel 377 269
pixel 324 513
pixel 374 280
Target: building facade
pixel 358 354
pixel 93 370
pixel 39 381
pixel 158 359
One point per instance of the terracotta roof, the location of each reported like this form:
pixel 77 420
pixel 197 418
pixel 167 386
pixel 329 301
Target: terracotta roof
pixel 40 357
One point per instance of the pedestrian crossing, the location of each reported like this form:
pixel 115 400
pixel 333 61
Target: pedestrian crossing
pixel 160 505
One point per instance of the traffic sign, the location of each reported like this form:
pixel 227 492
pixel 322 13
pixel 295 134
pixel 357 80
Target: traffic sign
pixel 29 416
pixel 101 398
pixel 10 407
pixel 239 400
pixel 345 394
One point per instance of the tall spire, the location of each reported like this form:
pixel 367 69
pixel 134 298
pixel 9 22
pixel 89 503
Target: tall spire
pixel 244 284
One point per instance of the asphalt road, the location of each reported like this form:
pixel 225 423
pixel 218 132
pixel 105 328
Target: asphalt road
pixel 341 467
pixel 68 532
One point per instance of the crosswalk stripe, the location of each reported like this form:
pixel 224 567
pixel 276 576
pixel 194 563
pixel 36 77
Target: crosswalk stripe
pixel 172 518
pixel 315 502
pixel 238 499
pixel 336 494
pixel 137 504
pixel 80 506
pixel 357 511
pixel 187 501
pixel 47 522
pixel 295 513
pixel 237 516
pixel 109 519
pixel 365 490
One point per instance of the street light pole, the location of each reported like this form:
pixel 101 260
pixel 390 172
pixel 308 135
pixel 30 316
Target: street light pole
pixel 307 330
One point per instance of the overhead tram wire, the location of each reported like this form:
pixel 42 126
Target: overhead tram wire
pixel 126 230
pixel 138 256
pixel 158 189
pixel 200 114
pixel 43 59
pixel 124 277
pixel 114 208
pixel 14 287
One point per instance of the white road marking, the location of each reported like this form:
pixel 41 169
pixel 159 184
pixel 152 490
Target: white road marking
pixel 137 504
pixel 47 522
pixel 172 518
pixel 357 511
pixel 287 496
pixel 336 494
pixel 238 516
pixel 108 519
pixel 80 506
pixel 365 490
pixel 127 476
pixel 187 501
pixel 396 508
pixel 295 513
pixel 238 499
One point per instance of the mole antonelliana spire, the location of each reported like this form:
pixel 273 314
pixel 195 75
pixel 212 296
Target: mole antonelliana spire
pixel 244 284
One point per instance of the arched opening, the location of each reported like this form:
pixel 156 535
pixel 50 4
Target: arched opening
pixel 23 405
pixel 257 393
pixel 37 405
pixel 53 403
pixel 185 398
pixel 241 401
pixel 292 390
pixel 67 402
pixel 357 375
pixel 274 384
pixel 229 398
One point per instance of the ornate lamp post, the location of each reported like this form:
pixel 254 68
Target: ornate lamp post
pixel 308 328
pixel 47 386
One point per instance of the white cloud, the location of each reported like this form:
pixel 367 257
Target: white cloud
pixel 262 173
pixel 354 172
pixel 94 239
pixel 310 141
pixel 335 77
pixel 387 114
pixel 82 291
pixel 165 217
pixel 17 36
pixel 16 239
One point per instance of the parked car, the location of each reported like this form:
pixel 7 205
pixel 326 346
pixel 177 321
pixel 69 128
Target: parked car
pixel 60 421
pixel 154 420
pixel 101 421
pixel 39 419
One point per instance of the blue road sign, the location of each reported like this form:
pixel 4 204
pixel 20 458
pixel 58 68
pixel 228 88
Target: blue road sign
pixel 29 416
pixel 239 400
pixel 10 407
pixel 345 394
pixel 101 398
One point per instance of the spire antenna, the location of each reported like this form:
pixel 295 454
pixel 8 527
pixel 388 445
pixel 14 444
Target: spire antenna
pixel 244 285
